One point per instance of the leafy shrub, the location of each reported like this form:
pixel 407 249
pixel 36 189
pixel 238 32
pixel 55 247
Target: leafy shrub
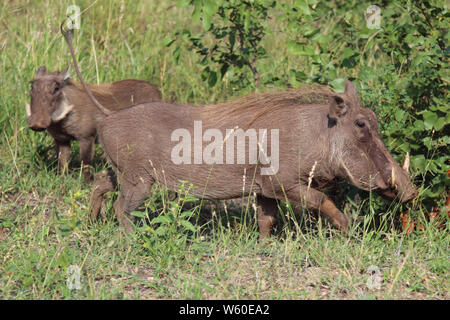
pixel 237 28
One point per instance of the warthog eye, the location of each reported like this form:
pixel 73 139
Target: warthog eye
pixel 360 123
pixel 56 89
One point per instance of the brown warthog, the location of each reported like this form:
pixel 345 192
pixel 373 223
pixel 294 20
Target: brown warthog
pixel 316 138
pixel 61 106
pixel 299 143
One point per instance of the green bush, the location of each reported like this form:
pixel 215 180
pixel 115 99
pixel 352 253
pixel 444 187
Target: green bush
pixel 237 28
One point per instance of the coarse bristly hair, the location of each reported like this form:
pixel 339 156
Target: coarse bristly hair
pixel 268 101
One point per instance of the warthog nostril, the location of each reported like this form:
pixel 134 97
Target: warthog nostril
pixel 38 127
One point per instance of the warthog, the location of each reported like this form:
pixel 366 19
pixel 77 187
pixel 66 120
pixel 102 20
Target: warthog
pixel 322 137
pixel 317 137
pixel 61 106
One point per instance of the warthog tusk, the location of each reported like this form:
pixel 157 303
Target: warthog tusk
pixel 406 163
pixel 28 109
pixel 393 178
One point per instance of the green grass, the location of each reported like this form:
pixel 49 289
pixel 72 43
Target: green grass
pixel 216 255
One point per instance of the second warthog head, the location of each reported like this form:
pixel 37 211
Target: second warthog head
pixel 48 103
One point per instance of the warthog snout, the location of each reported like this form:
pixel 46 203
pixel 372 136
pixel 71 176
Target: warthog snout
pixel 399 185
pixel 31 123
pixel 34 122
pixel 39 125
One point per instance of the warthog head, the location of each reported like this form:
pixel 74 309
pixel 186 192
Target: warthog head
pixel 358 152
pixel 47 99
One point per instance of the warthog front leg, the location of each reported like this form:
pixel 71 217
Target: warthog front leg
pixel 87 155
pixel 103 183
pixel 314 199
pixel 63 149
pixel 334 214
pixel 131 196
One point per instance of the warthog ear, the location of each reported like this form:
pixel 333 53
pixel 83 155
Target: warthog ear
pixel 61 111
pixel 338 108
pixel 64 75
pixel 41 71
pixel 350 90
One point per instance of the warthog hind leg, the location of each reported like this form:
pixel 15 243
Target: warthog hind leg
pixel 267 209
pixel 131 196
